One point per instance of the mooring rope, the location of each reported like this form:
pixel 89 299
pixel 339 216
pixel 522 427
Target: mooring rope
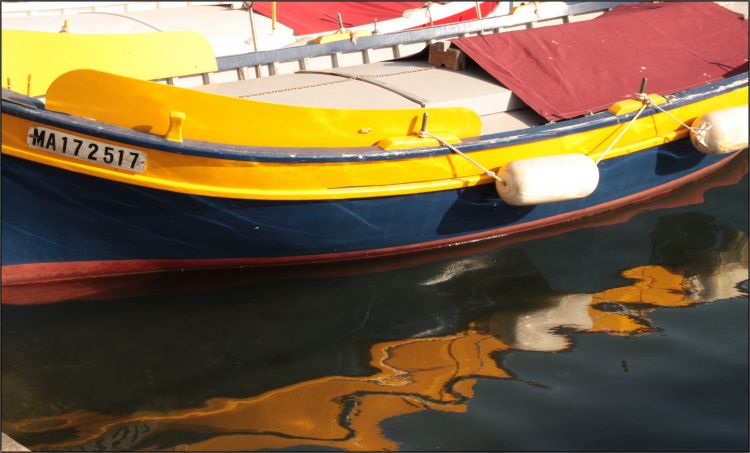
pixel 625 129
pixel 643 97
pixel 700 132
pixel 648 102
pixel 424 134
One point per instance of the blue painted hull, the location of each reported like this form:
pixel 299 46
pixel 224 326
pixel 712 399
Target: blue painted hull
pixel 54 216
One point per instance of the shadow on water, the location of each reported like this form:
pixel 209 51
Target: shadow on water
pixel 321 362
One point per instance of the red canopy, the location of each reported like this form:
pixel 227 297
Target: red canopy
pixel 316 17
pixel 468 14
pixel 568 70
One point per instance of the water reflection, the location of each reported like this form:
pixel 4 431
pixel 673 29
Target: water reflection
pixel 325 361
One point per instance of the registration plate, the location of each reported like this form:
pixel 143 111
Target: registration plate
pixel 85 149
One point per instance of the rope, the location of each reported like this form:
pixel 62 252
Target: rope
pixel 283 90
pixel 348 78
pixel 386 86
pixel 648 102
pixel 611 145
pixel 700 132
pixel 125 16
pixel 424 134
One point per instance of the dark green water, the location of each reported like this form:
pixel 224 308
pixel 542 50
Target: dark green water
pixel 630 336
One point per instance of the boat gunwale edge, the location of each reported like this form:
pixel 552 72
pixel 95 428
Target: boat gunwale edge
pixel 21 107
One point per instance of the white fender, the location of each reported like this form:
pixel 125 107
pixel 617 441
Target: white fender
pixel 547 179
pixel 721 131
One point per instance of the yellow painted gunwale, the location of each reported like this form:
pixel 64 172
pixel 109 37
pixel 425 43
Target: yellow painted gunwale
pixel 361 179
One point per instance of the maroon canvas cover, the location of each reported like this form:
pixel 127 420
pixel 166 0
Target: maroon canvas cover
pixel 317 17
pixel 569 70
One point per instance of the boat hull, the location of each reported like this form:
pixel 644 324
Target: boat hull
pixel 58 224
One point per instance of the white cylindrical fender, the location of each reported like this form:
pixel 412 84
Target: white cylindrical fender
pixel 547 179
pixel 721 131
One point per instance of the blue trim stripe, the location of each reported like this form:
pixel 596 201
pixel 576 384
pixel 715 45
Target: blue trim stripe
pixel 315 155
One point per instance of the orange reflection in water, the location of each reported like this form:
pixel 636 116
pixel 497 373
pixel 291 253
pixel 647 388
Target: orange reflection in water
pixel 337 411
pixel 652 285
pixel 413 375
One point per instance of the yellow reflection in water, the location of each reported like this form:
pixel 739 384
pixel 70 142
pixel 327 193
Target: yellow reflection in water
pixel 415 374
pixel 436 373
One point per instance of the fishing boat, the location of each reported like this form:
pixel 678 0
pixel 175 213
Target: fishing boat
pixel 113 175
pixel 238 27
pixel 191 52
pixel 453 261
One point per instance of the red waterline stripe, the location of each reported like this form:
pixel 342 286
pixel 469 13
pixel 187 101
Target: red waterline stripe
pixel 33 273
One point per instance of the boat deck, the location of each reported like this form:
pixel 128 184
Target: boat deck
pixel 391 85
